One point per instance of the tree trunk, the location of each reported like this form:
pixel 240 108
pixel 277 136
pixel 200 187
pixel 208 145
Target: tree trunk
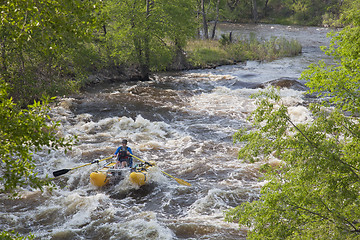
pixel 145 69
pixel 104 28
pixel 142 50
pixel 3 53
pixel 205 25
pixel 254 11
pixel 216 19
pixel 266 8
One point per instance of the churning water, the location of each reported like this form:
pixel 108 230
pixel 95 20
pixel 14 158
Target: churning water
pixel 184 122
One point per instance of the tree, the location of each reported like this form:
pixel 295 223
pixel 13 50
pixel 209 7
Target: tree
pixel 42 45
pixel 216 19
pixel 314 193
pixel 148 33
pixel 340 82
pixel 254 11
pixel 22 133
pixel 204 20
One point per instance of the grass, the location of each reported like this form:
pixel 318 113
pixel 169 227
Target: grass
pixel 207 53
pixel 204 53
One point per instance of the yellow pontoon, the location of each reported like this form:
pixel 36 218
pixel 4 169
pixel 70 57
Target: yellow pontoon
pixel 138 175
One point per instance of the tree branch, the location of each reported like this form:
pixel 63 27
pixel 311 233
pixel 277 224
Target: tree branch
pixel 314 145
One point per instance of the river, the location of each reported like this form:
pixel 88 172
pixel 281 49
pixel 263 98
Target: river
pixel 184 122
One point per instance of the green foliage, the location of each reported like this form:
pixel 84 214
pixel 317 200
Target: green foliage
pixel 14 236
pixel 274 48
pixel 339 83
pixel 24 132
pixel 205 53
pixel 207 57
pixel 314 194
pixel 309 12
pixel 224 40
pixel 300 9
pixel 39 44
pixel 147 33
pixel 236 11
pixel 302 12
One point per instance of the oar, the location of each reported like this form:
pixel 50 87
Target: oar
pixel 180 181
pixel 63 171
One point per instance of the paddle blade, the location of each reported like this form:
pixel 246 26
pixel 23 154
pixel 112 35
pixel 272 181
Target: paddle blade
pixel 60 172
pixel 182 182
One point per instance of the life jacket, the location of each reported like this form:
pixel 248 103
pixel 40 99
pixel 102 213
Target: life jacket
pixel 122 155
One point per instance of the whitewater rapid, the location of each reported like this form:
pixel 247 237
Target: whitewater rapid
pixel 184 122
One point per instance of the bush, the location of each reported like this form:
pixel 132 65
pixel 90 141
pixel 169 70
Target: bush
pixel 14 236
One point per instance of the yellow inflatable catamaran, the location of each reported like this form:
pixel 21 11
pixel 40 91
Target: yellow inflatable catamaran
pixel 138 175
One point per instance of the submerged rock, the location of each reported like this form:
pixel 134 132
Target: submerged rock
pixel 291 83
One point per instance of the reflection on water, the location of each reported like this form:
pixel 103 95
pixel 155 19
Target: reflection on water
pixel 184 122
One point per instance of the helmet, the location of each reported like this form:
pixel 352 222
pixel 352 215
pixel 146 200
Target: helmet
pixel 124 141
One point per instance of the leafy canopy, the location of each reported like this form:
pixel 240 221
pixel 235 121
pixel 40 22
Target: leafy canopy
pixel 146 32
pixel 43 44
pixel 22 133
pixel 314 193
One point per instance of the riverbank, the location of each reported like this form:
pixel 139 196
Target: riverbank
pixel 206 54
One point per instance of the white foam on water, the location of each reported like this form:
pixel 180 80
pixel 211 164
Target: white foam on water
pixel 209 209
pixel 155 175
pixel 80 208
pixel 209 76
pixel 223 101
pixel 183 156
pixel 138 226
pixel 300 114
pixel 140 129
pixel 237 104
pixel 209 204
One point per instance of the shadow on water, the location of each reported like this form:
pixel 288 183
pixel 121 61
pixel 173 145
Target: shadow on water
pixel 138 195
